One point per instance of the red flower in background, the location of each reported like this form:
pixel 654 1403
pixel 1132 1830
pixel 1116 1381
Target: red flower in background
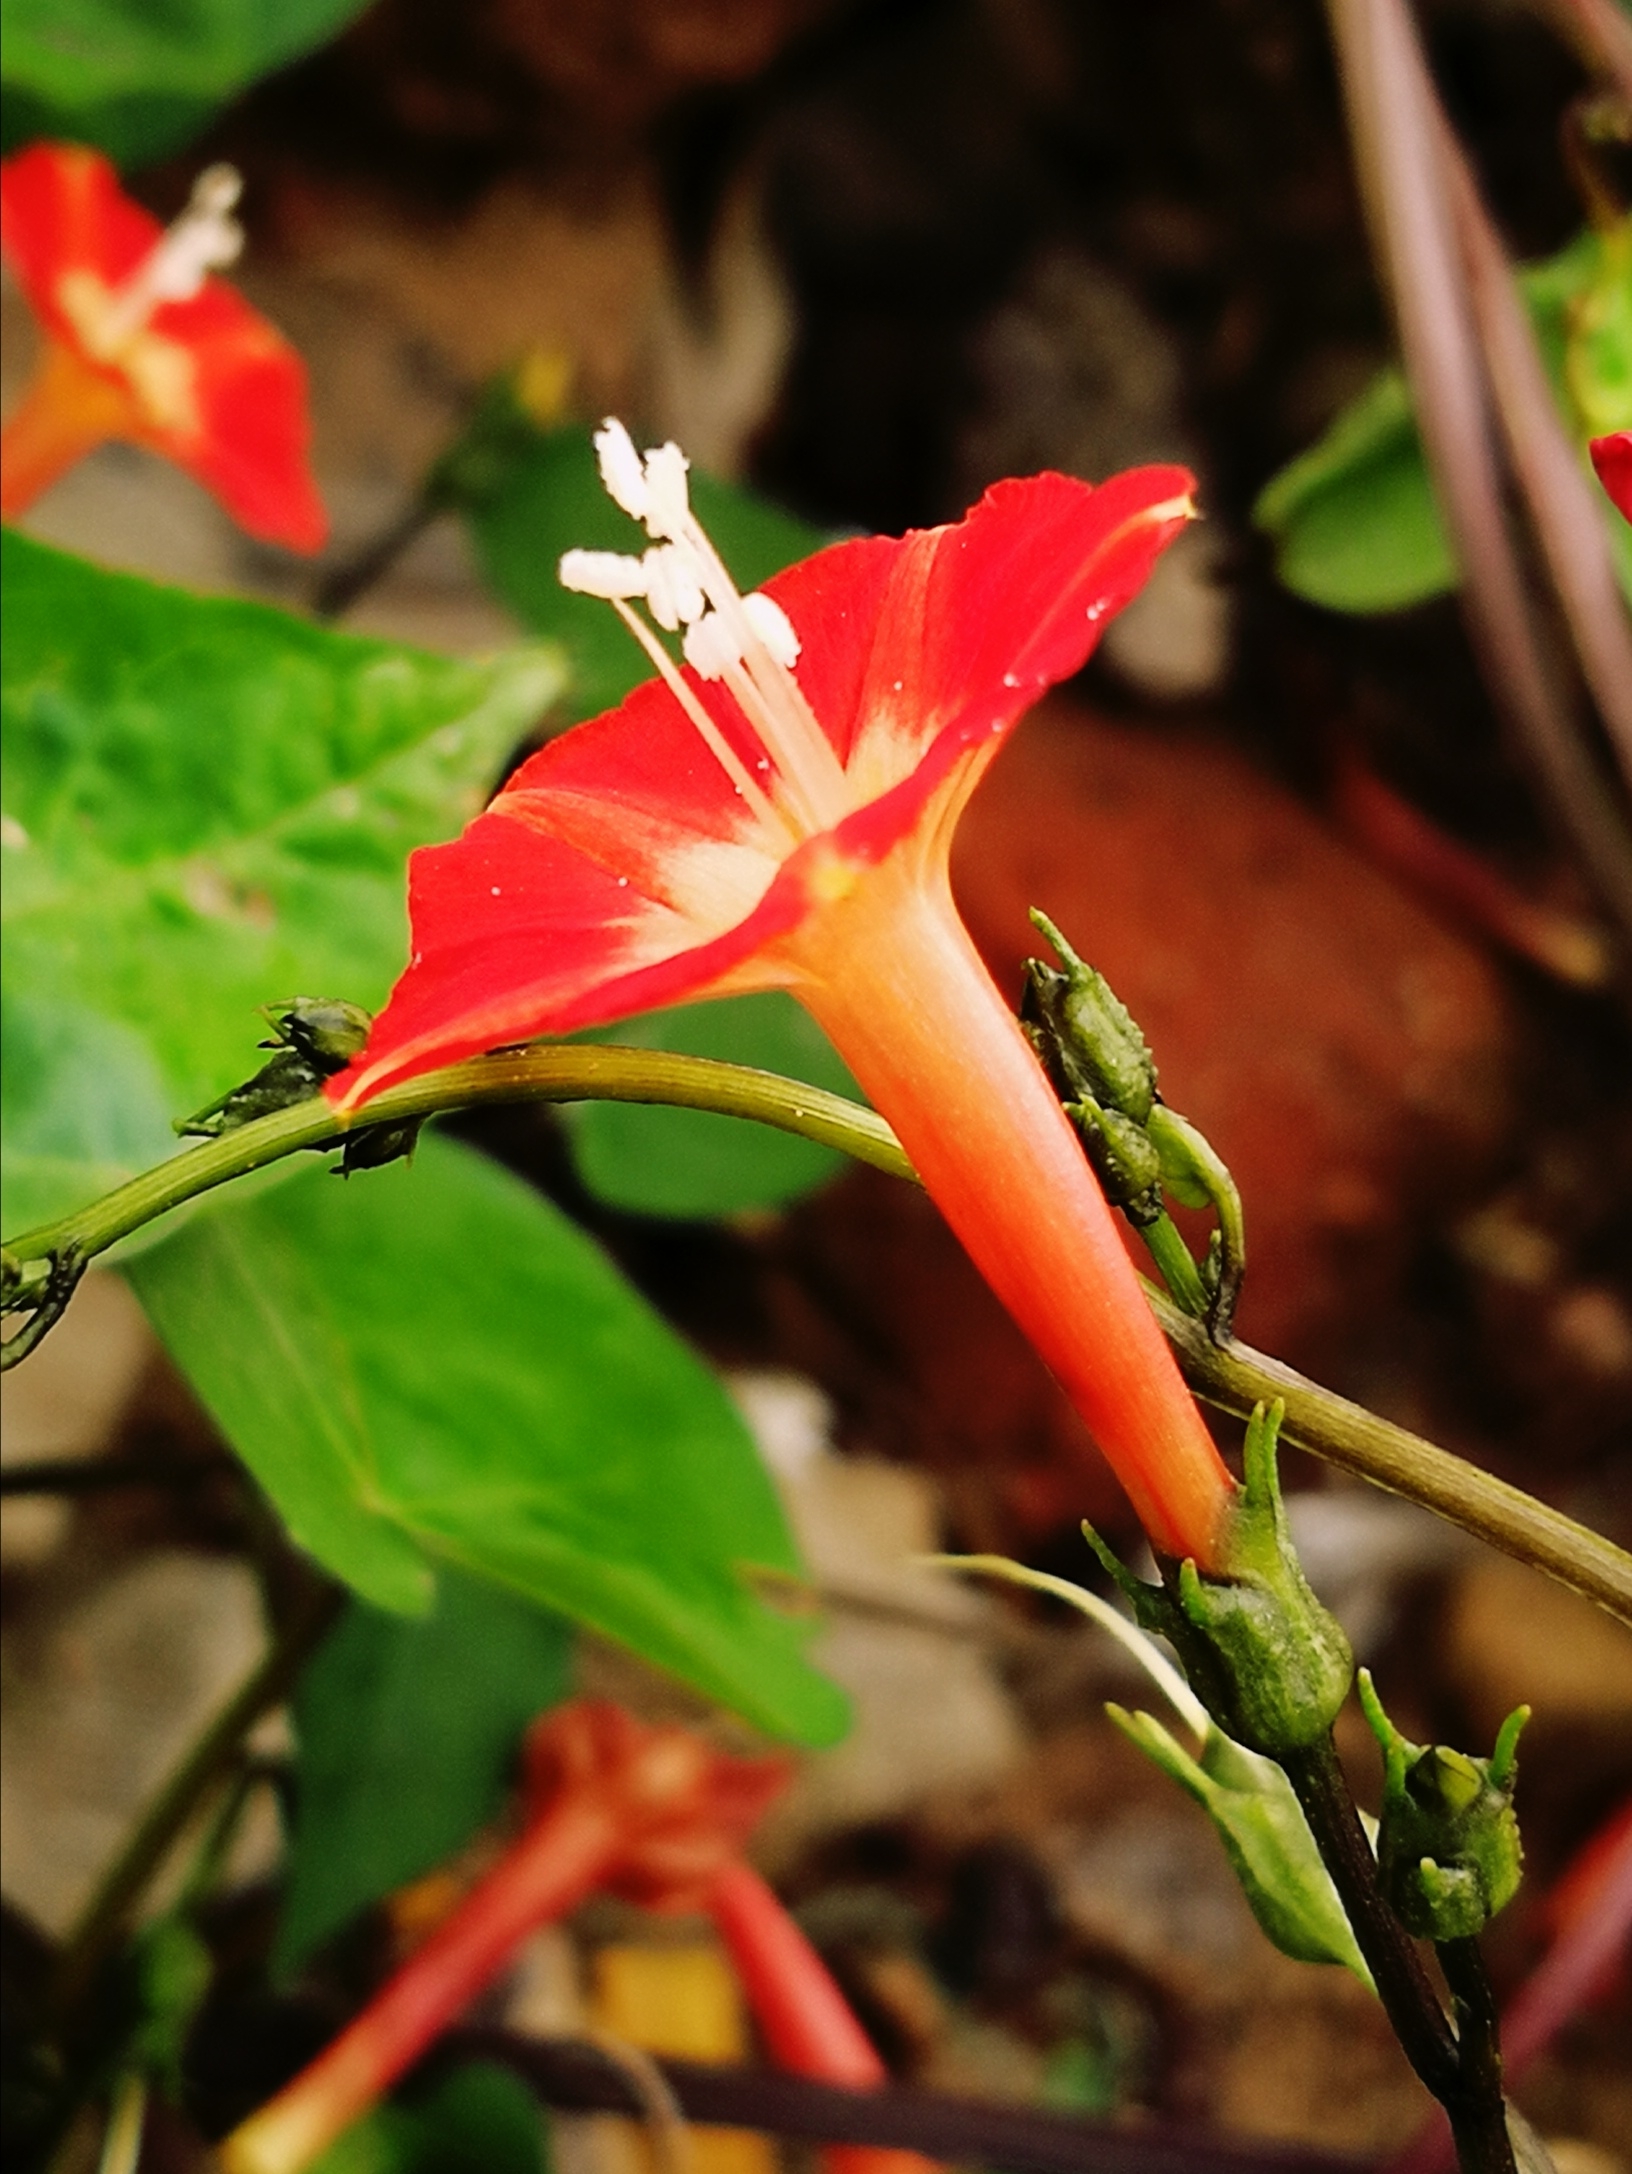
pixel 739 825
pixel 1612 457
pixel 616 1806
pixel 143 345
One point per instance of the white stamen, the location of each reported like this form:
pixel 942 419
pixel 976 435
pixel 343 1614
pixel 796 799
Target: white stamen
pixel 671 586
pixel 668 505
pixel 749 643
pixel 621 468
pixel 606 574
pixel 774 628
pixel 715 741
pixel 709 649
pixel 204 239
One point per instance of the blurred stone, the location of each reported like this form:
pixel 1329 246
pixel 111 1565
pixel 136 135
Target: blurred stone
pixel 1173 641
pixel 1152 1884
pixel 1571 2155
pixel 1359 1547
pixel 63 1401
pixel 546 1997
pixel 1072 372
pixel 931 1715
pixel 1592 1328
pixel 716 349
pixel 1511 1635
pixel 100 1703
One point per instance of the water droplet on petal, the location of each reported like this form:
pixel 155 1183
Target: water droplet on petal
pixel 1011 679
pixel 495 890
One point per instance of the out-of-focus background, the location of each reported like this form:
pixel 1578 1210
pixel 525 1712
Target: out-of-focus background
pixel 867 258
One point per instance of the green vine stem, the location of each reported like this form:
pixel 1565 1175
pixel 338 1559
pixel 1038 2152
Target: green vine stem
pixel 1234 1377
pixel 1356 1440
pixel 149 1843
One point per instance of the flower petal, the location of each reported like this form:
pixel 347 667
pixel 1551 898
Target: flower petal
pixel 1612 457
pixel 254 446
pixel 621 870
pixel 518 934
pixel 62 209
pixel 970 623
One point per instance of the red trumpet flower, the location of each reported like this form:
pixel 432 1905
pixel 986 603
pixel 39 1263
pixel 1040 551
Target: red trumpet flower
pixel 804 2019
pixel 143 345
pixel 742 824
pixel 647 1813
pixel 1612 457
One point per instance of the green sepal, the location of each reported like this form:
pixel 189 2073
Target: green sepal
pixel 1269 1663
pixel 1265 1835
pixel 1448 1844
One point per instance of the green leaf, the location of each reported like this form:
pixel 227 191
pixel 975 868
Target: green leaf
pixel 548 498
pixel 1265 1836
pixel 208 804
pixel 432 1365
pixel 689 1162
pixel 405 1732
pixel 138 78
pixel 1353 519
pixel 479 2120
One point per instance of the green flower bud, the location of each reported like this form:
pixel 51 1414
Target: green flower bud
pixel 312 1038
pixel 1448 1844
pixel 1088 1040
pixel 327 1031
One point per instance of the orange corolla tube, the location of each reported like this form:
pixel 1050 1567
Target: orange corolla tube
pixel 804 2019
pixel 646 1813
pixel 777 812
pixel 142 344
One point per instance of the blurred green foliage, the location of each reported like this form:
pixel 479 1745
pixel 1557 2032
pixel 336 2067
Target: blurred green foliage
pixel 140 78
pixel 1353 520
pixel 429 1364
pixel 207 806
pixel 405 1735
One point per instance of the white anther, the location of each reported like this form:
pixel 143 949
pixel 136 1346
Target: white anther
pixel 204 239
pixel 621 467
pixel 608 574
pixel 668 507
pixel 774 628
pixel 710 647
pixel 674 590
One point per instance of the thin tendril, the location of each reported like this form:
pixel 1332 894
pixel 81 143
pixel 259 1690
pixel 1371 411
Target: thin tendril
pixel 1150 1657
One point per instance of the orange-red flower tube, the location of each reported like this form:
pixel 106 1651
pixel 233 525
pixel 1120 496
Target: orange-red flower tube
pixel 142 344
pixel 778 814
pixel 804 2019
pixel 647 1813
